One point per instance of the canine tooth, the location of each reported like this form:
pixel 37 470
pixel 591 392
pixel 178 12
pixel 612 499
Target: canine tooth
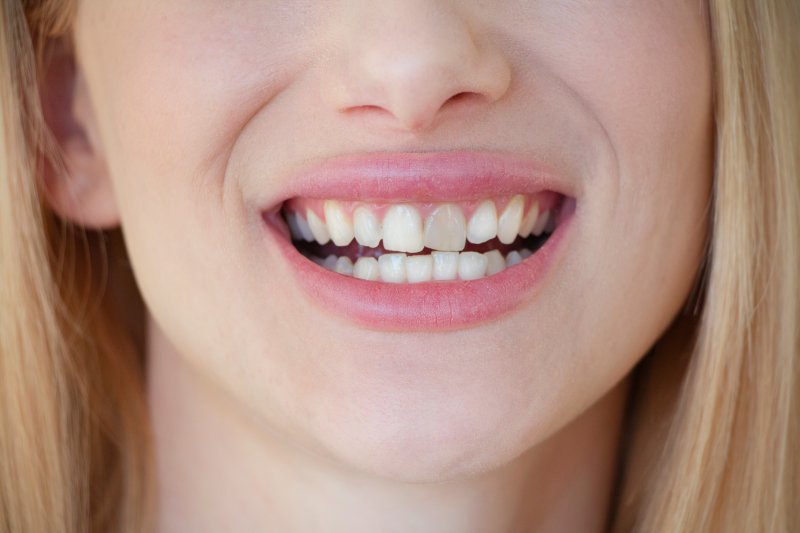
pixel 344 265
pixel 508 222
pixel 330 262
pixel 525 253
pixel 472 265
pixel 513 258
pixel 541 222
pixel 445 265
pixel 495 262
pixel 367 227
pixel 392 267
pixel 340 226
pixel 318 228
pixel 367 268
pixel 419 268
pixel 402 229
pixel 483 223
pixel 446 229
pixel 529 221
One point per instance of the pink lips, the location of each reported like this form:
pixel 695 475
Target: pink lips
pixel 440 176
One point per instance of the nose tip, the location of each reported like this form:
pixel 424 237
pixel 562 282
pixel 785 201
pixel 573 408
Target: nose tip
pixel 410 70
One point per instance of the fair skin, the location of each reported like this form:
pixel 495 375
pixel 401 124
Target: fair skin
pixel 272 413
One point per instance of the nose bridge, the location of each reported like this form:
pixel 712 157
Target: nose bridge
pixel 410 57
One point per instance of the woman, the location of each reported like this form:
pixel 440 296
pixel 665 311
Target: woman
pixel 399 266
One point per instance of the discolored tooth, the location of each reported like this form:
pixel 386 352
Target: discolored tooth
pixel 367 227
pixel 446 229
pixel 344 265
pixel 392 267
pixel 318 260
pixel 541 223
pixel 483 223
pixel 367 268
pixel 525 253
pixel 402 229
pixel 495 262
pixel 340 226
pixel 318 228
pixel 419 268
pixel 445 265
pixel 513 258
pixel 330 262
pixel 508 222
pixel 529 221
pixel 472 265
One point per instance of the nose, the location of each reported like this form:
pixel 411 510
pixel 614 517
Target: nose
pixel 410 60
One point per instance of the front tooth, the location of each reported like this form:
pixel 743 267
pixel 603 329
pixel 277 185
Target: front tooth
pixel 340 226
pixel 445 265
pixel 367 227
pixel 495 262
pixel 419 268
pixel 318 228
pixel 483 223
pixel 392 267
pixel 513 258
pixel 472 265
pixel 402 229
pixel 446 229
pixel 529 222
pixel 344 265
pixel 508 223
pixel 541 222
pixel 367 268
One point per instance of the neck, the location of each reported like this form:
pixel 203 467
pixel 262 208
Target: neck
pixel 219 470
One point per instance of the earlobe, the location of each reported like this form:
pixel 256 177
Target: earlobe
pixel 80 189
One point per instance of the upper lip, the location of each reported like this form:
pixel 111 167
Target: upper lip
pixel 424 176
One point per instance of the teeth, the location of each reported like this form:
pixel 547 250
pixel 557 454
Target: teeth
pixel 402 229
pixel 541 223
pixel 367 268
pixel 495 262
pixel 339 225
pixel 529 222
pixel 367 227
pixel 392 267
pixel 483 223
pixel 318 228
pixel 513 258
pixel 509 221
pixel 419 268
pixel 445 265
pixel 446 229
pixel 472 265
pixel 344 266
pixel 525 253
pixel 330 262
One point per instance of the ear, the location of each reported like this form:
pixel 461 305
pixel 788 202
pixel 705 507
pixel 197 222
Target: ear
pixel 77 186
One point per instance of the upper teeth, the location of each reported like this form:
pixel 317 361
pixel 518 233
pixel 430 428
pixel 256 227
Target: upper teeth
pixel 402 228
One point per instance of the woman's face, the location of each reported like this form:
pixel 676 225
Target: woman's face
pixel 204 116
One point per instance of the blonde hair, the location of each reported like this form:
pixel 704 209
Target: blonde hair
pixel 74 437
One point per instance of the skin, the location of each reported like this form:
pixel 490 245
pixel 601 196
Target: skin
pixel 271 414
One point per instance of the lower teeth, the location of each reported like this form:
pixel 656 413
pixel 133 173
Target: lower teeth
pixel 436 266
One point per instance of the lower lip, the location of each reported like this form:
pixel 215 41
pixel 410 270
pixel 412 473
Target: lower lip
pixel 431 306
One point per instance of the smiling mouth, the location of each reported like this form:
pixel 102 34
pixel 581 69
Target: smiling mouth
pixel 418 242
pixel 421 241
